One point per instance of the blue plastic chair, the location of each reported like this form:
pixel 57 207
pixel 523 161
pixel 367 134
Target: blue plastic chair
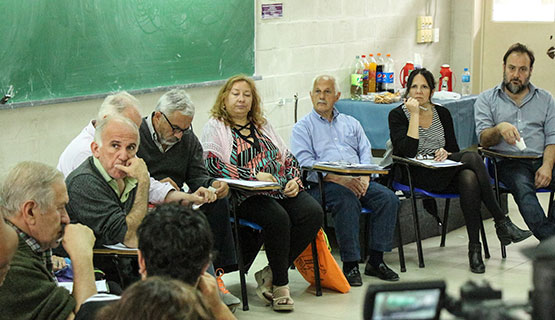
pixel 363 247
pixel 499 187
pixel 417 193
pixel 241 265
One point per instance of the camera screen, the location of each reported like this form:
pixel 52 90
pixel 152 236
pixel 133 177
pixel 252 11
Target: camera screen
pixel 409 304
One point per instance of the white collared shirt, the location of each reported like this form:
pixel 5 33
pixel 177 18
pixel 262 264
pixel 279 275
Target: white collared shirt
pixel 79 149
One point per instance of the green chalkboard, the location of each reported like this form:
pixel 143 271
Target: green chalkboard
pixel 54 49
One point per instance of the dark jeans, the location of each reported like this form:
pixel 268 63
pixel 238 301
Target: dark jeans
pixel 289 225
pixel 217 214
pixel 346 207
pixel 518 176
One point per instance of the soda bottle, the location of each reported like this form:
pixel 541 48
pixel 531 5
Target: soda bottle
pixel 365 72
pixel 465 79
pixel 405 72
pixel 389 74
pixel 372 74
pixel 357 71
pixel 379 73
pixel 445 78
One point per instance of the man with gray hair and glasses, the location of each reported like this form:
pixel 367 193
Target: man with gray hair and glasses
pixel 79 149
pixel 33 202
pixel 171 150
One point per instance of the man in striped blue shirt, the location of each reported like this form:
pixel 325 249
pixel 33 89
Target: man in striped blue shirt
pixel 326 135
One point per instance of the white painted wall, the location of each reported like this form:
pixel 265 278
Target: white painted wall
pixel 313 37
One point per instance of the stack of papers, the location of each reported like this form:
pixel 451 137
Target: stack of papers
pixel 346 165
pixel 438 164
pixel 119 246
pixel 249 183
pixel 100 286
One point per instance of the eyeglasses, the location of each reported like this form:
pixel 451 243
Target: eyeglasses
pixel 175 128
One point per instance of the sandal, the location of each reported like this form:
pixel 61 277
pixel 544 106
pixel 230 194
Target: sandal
pixel 282 299
pixel 264 281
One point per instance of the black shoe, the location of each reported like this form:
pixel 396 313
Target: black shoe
pixel 383 272
pixel 475 258
pixel 507 232
pixel 353 276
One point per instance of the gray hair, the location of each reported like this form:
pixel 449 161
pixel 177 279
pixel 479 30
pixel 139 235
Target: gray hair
pixel 326 77
pixel 100 126
pixel 176 100
pixel 28 180
pixel 115 104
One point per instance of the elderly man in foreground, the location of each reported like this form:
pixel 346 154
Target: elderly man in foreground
pixel 109 191
pixel 33 201
pixel 79 149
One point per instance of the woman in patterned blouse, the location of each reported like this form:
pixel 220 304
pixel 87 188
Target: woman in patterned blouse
pixel 420 128
pixel 239 143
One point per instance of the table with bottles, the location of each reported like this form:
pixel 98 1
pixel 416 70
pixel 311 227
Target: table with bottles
pixel 373 117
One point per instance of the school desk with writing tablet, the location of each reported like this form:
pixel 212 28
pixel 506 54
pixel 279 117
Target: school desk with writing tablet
pixel 66 50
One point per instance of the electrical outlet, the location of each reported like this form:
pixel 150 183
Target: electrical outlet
pixel 424 22
pixel 423 36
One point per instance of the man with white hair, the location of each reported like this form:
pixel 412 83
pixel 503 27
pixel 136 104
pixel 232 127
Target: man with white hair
pixel 171 150
pixel 79 149
pixel 33 202
pixel 109 190
pixel 327 135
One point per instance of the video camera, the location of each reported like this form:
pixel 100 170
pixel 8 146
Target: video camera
pixel 425 300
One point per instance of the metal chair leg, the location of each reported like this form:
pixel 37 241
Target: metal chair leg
pixel 240 262
pixel 444 226
pixel 485 240
pixel 316 269
pixel 417 233
pixel 400 247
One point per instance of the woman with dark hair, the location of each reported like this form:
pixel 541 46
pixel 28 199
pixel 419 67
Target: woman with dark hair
pixel 419 127
pixel 239 143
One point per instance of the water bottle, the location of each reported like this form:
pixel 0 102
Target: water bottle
pixel 372 73
pixel 389 74
pixel 465 79
pixel 357 71
pixel 379 74
pixel 365 73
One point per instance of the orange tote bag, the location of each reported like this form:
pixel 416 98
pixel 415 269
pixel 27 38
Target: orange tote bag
pixel 331 275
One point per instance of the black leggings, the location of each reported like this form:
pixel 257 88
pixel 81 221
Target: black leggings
pixel 289 225
pixel 473 184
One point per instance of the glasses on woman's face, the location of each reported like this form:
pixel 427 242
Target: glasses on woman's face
pixel 175 128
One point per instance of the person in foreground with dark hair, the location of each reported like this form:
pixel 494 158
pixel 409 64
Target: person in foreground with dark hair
pixel 517 109
pixel 174 242
pixel 158 298
pixel 418 127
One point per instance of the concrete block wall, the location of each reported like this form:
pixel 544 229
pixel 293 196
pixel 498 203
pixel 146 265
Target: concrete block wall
pixel 316 37
pixel 313 37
